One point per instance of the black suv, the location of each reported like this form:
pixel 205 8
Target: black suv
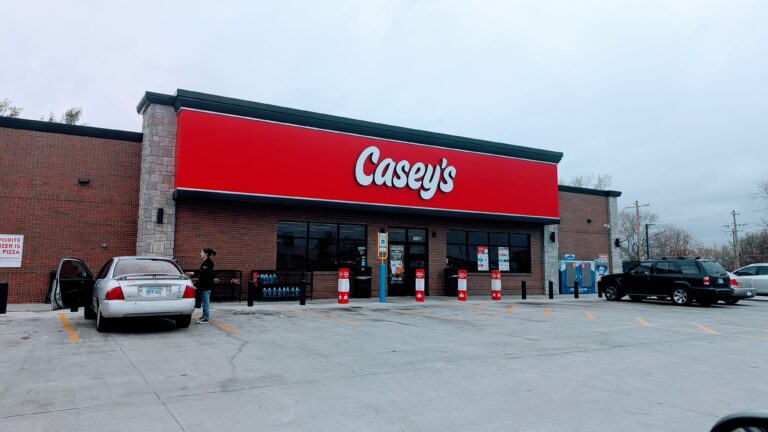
pixel 682 280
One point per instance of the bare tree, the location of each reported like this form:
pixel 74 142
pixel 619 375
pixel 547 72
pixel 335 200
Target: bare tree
pixel 762 193
pixel 722 254
pixel 70 116
pixel 628 236
pixel 762 190
pixel 754 247
pixel 674 242
pixel 603 181
pixel 591 181
pixel 8 110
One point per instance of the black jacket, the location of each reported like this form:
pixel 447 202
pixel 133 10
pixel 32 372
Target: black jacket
pixel 205 275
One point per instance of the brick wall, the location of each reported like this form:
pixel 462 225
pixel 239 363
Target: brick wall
pixel 245 237
pixel 587 240
pixel 41 199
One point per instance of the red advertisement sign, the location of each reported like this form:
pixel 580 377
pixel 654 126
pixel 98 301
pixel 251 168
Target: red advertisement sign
pixel 234 155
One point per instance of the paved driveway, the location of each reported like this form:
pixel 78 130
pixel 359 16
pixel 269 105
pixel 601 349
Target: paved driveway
pixel 542 365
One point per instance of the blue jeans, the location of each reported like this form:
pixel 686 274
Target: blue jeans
pixel 206 304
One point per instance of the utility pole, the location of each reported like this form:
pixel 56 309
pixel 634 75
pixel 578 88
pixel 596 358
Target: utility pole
pixel 647 243
pixel 637 227
pixel 735 232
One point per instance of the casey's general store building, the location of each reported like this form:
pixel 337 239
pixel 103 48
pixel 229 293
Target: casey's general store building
pixel 283 189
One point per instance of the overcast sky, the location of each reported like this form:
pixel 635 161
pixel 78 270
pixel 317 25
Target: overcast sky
pixel 670 97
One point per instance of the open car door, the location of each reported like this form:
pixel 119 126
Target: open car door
pixel 72 286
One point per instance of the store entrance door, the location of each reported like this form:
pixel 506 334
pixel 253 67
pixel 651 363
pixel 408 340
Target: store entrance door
pixel 407 252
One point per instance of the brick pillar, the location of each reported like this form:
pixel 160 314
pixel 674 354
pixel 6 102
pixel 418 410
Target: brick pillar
pixel 613 221
pixel 551 261
pixel 158 152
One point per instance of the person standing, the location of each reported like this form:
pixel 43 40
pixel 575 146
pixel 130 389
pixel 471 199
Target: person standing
pixel 205 283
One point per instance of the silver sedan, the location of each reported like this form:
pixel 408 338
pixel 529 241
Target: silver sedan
pixel 755 275
pixel 741 289
pixel 130 286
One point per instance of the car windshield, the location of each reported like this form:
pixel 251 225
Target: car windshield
pixel 145 266
pixel 713 268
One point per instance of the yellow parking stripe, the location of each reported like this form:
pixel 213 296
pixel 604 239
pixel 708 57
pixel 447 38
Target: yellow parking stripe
pixel 706 329
pixel 643 322
pixel 591 316
pixel 511 308
pixel 330 318
pixel 429 315
pixel 224 327
pixel 68 327
pixel 548 311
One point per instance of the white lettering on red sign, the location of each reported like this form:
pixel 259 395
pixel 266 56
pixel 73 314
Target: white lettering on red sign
pixel 462 280
pixel 425 178
pixel 420 280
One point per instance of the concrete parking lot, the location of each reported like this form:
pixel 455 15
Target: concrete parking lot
pixel 543 365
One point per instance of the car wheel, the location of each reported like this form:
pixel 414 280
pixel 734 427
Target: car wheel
pixel 183 322
pixel 88 313
pixel 102 324
pixel 612 293
pixel 636 298
pixel 681 297
pixel 731 301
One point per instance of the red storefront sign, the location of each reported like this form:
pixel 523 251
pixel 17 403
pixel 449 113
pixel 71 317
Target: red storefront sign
pixel 234 155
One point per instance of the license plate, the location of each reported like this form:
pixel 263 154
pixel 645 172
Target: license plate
pixel 749 293
pixel 720 280
pixel 152 292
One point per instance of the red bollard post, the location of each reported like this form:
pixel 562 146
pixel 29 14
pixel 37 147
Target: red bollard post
pixel 462 285
pixel 495 285
pixel 343 285
pixel 420 285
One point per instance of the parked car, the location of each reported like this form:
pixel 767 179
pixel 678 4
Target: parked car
pixel 682 280
pixel 741 290
pixel 129 286
pixel 756 274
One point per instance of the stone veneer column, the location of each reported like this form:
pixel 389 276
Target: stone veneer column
pixel 551 259
pixel 158 156
pixel 613 221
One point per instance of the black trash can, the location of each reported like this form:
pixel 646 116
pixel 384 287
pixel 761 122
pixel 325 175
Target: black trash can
pixel 451 282
pixel 360 282
pixel 3 297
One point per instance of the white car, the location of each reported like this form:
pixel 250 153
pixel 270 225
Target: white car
pixel 755 275
pixel 740 290
pixel 125 287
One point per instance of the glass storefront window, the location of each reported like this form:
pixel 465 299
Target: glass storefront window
pixel 506 252
pixel 319 245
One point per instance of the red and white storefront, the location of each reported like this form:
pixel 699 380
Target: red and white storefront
pixel 275 188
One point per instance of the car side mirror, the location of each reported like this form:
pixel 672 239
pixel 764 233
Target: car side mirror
pixel 745 421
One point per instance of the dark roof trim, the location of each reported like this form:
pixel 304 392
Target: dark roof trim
pixel 155 98
pixel 224 105
pixel 586 191
pixel 235 197
pixel 44 126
